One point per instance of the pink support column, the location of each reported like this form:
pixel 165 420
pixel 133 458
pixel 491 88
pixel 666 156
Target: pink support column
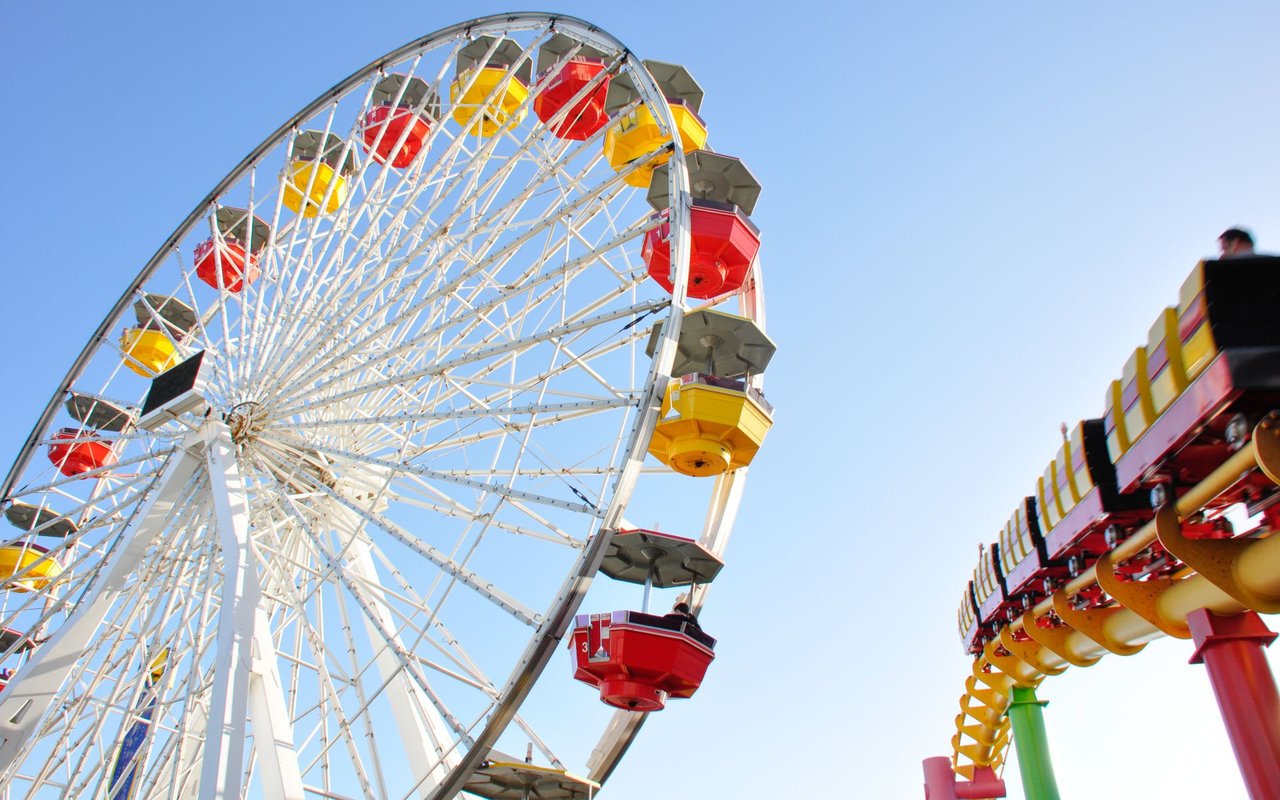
pixel 940 782
pixel 1231 650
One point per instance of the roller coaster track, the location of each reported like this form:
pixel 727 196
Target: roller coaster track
pixel 1225 576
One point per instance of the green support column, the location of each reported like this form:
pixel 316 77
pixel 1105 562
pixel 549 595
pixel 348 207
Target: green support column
pixel 1027 717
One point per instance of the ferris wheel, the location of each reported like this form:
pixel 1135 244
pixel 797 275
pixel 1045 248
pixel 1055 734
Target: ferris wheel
pixel 312 510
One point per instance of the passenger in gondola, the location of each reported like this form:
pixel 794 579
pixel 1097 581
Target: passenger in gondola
pixel 1235 243
pixel 723 383
pixel 681 613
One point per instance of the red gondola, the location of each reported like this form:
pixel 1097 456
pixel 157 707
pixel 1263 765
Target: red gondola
pixel 76 451
pixel 585 117
pixel 394 131
pixel 229 260
pixel 638 660
pixel 723 240
pixel 226 265
pixel 391 123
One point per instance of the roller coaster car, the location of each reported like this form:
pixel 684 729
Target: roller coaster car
pixel 1210 370
pixel 1022 557
pixel 1078 499
pixel 972 632
pixel 1075 501
pixel 988 586
pixel 638 660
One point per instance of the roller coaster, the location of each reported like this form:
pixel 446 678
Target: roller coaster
pixel 1126 537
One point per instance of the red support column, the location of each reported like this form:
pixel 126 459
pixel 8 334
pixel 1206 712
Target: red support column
pixel 1231 650
pixel 940 782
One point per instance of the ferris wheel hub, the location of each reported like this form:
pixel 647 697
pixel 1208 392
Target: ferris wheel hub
pixel 246 421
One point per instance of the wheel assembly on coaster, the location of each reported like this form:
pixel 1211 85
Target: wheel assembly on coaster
pixel 312 510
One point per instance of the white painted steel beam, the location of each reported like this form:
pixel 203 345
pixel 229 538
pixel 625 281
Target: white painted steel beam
pixel 246 678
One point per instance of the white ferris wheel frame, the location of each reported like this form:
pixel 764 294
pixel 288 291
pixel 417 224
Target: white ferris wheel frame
pixel 248 682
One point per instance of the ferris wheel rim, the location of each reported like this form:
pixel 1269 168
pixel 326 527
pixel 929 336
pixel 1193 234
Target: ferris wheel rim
pixel 637 438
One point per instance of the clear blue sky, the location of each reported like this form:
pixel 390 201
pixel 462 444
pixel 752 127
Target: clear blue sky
pixel 972 213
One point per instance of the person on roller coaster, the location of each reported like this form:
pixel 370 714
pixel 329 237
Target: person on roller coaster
pixel 1235 243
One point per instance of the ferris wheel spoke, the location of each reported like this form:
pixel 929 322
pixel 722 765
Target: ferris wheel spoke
pixel 450 648
pixel 357 582
pixel 491 489
pixel 302 236
pixel 543 382
pixel 26 698
pixel 478 378
pixel 456 441
pixel 419 343
pixel 499 412
pixel 330 685
pixel 144 627
pixel 425 729
pixel 478 267
pixel 486 353
pixel 109 471
pixel 352 275
pixel 112 683
pixel 485 588
pixel 413 490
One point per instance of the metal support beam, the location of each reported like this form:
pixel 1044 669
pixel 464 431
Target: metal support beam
pixel 246 678
pixel 940 782
pixel 1026 713
pixel 1231 650
pixel 424 735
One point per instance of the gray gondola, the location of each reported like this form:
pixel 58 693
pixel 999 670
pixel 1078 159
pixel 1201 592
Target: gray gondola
pixel 245 228
pixel 506 53
pixel 40 521
pixel 676 83
pixel 99 413
pixel 408 92
pixel 152 310
pixel 638 556
pixel 326 147
pixel 555 49
pixel 712 176
pixel 718 343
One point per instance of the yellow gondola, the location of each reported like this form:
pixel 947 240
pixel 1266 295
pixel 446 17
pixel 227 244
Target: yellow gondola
pixel 638 134
pixel 25 559
pixel 705 429
pixel 317 175
pixel 147 352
